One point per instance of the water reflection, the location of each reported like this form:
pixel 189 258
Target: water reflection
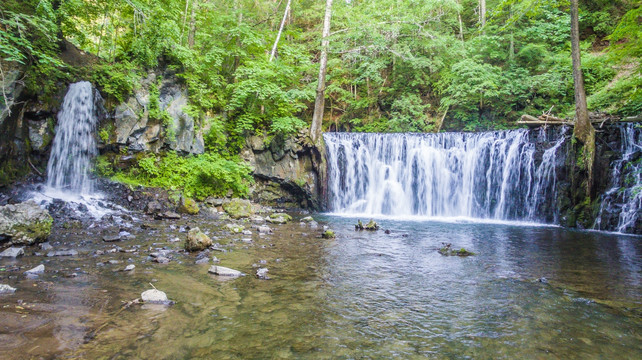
pixel 368 295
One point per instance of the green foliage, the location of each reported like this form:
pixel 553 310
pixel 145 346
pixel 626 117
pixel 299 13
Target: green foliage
pixel 198 176
pixel 117 80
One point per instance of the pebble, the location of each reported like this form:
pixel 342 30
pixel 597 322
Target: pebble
pixel 161 260
pixel 246 232
pixel 6 289
pixel 62 253
pixel 261 273
pixel 130 267
pixel 204 260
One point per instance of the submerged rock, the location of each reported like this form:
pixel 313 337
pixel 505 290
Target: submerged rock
pixel 188 206
pixel 6 289
pixel 25 223
pixel 233 228
pixel 279 218
pixel 446 250
pixel 37 270
pixel 12 252
pixel 197 240
pixel 263 229
pixel 238 208
pixel 111 238
pixel 223 271
pixel 62 253
pixel 261 273
pixel 154 296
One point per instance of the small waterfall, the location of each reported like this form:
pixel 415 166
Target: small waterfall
pixel 490 175
pixel 74 145
pixel 621 207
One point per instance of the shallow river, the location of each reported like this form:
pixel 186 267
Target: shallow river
pixel 362 295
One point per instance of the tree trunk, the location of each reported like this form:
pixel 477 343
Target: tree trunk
pixel 461 26
pixel 319 102
pixel 192 26
pixel 278 36
pixel 482 12
pixel 184 20
pixel 583 129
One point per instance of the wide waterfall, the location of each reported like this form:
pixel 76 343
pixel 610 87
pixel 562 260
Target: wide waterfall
pixel 74 145
pixel 489 175
pixel 621 207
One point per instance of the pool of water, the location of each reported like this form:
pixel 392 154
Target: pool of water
pixel 529 292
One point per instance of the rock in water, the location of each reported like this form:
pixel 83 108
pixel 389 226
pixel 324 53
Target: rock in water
pixel 279 218
pixel 111 238
pixel 264 230
pixel 25 223
pixel 12 252
pixel 233 228
pixel 197 240
pixel 223 271
pixel 62 253
pixel 307 219
pixel 154 296
pixel 238 208
pixel 168 215
pixel 37 270
pixel 188 206
pixel 261 273
pixel 153 207
pixel 6 289
pixel 328 234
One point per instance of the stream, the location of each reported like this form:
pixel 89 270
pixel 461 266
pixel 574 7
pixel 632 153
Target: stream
pixel 529 292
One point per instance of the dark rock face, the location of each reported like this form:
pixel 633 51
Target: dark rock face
pixel 288 172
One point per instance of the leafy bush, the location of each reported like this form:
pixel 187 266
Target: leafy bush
pixel 197 176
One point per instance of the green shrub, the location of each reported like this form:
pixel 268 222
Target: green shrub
pixel 197 176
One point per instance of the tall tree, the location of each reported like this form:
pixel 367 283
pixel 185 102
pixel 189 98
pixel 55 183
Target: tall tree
pixel 278 36
pixel 583 129
pixel 319 102
pixel 482 12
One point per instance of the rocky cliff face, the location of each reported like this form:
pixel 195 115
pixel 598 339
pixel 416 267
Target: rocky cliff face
pixel 287 171
pixel 133 126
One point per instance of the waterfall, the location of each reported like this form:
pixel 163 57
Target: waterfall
pixel 621 206
pixel 489 175
pixel 74 145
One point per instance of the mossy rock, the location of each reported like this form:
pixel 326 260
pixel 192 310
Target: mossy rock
pixel 370 226
pixel 25 223
pixel 188 206
pixel 328 234
pixel 446 250
pixel 238 208
pixel 197 240
pixel 279 218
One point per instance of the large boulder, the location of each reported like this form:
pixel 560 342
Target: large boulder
pixel 25 223
pixel 197 240
pixel 238 208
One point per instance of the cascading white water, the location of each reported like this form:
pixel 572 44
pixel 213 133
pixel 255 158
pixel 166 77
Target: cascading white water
pixel 621 207
pixel 74 145
pixel 489 175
